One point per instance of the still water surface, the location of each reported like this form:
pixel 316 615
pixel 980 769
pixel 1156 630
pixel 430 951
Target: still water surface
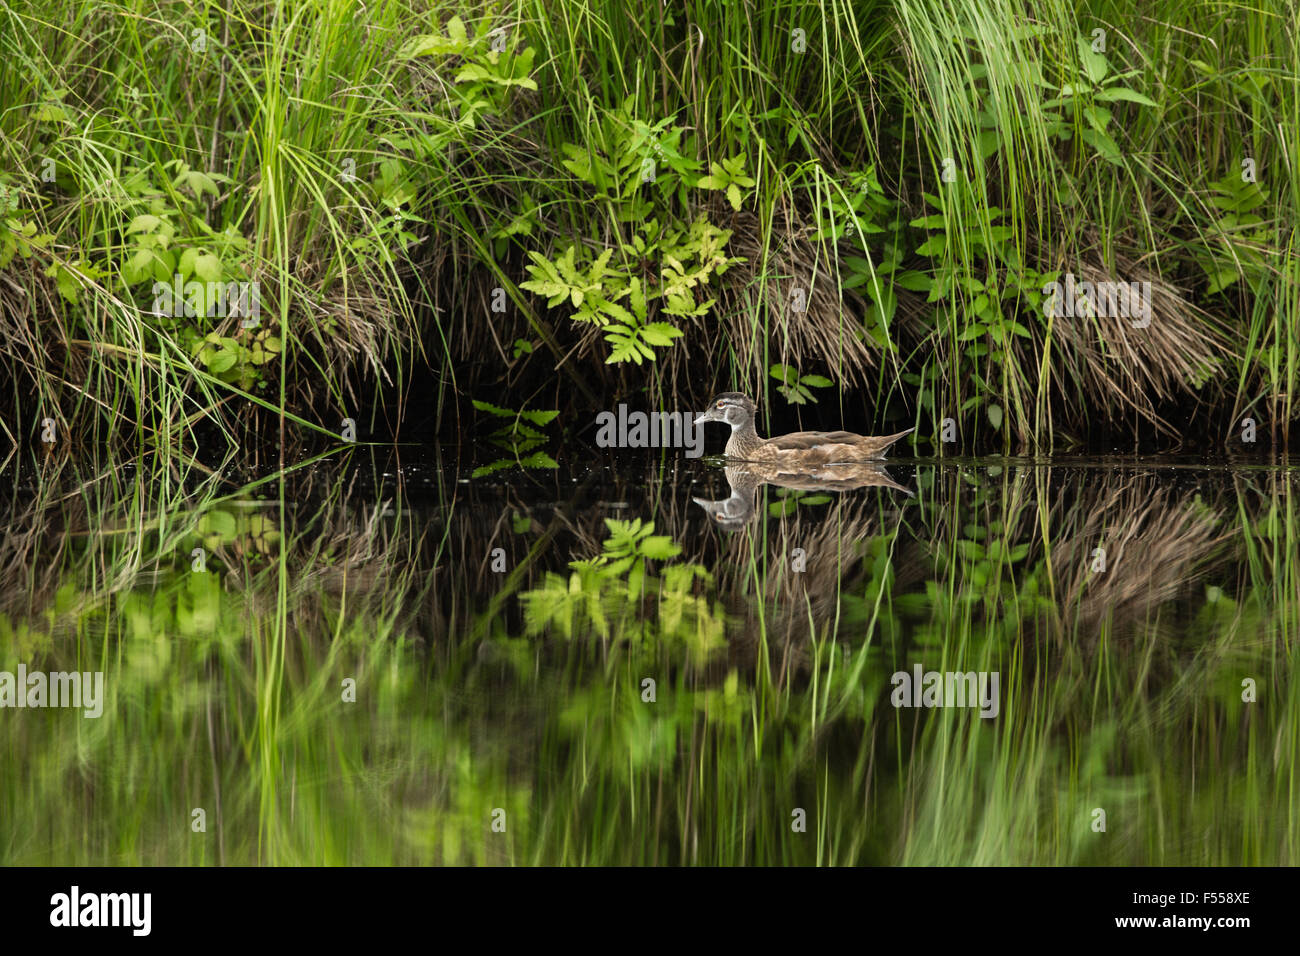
pixel 396 656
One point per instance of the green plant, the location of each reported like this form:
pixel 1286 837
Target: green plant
pixel 1241 235
pixel 518 436
pixel 795 386
pixel 689 256
pixel 1093 83
pixel 728 176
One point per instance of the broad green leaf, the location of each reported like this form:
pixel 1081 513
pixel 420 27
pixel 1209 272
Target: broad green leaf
pixel 659 547
pixel 914 281
pixel 221 361
pixel 660 333
pixel 207 267
pixel 886 303
pixel 1098 116
pixel 1103 144
pixel 539 418
pixel 143 223
pixel 616 311
pixel 164 265
pixel 1094 64
pixel 51 113
pixel 929 222
pixel 933 246
pixel 1112 94
pixel 622 348
pixel 219 523
pixel 539 459
pixel 493 409
pixel 784 374
pixel 497 465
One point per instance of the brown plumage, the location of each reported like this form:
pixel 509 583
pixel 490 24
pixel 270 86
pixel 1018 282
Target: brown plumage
pixel 798 450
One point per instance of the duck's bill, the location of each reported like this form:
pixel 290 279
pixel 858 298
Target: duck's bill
pixel 709 416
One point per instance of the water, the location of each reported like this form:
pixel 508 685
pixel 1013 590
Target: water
pixel 379 658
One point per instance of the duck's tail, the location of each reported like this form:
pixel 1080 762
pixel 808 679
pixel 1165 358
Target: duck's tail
pixel 879 444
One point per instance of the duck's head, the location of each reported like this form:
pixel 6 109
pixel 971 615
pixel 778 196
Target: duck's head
pixel 731 407
pixel 729 513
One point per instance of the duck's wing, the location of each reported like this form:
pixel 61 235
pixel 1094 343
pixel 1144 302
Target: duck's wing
pixel 804 441
pixel 835 446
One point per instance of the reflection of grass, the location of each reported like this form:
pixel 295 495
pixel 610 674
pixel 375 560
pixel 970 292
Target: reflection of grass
pixel 226 688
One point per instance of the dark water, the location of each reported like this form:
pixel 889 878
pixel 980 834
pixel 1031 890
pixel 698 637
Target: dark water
pixel 394 656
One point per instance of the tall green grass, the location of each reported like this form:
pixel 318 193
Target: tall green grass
pixel 912 173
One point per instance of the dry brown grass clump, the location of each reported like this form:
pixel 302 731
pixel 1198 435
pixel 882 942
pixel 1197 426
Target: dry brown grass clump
pixel 1104 364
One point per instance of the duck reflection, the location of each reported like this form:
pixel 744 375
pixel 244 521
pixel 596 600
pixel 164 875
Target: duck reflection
pixel 745 480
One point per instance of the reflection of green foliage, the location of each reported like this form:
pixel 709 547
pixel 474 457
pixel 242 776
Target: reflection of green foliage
pixel 216 528
pixel 625 728
pixel 517 436
pixel 538 459
pixel 19 641
pixel 516 429
pixel 728 705
pixel 789 499
pixel 629 545
pixel 247 532
pixel 217 685
pixel 605 593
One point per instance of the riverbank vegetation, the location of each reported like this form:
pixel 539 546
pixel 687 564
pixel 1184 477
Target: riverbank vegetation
pixel 570 203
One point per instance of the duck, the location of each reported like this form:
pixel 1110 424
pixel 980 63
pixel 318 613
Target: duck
pixel 799 451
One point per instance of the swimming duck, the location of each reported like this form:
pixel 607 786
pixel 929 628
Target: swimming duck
pixel 799 450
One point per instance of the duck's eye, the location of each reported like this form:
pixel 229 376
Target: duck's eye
pixel 720 404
